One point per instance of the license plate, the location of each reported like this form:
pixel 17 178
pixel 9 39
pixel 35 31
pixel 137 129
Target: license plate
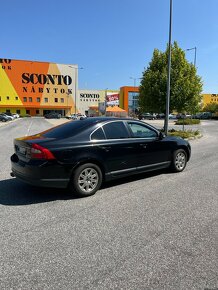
pixel 22 150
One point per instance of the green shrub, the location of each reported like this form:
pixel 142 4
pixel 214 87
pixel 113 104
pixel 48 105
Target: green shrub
pixel 187 122
pixel 185 134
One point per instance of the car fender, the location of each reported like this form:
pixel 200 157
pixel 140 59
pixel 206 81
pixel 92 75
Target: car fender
pixel 99 163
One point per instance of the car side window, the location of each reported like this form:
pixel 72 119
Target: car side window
pixel 115 130
pixel 140 131
pixel 98 135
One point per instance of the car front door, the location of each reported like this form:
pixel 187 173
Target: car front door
pixel 152 151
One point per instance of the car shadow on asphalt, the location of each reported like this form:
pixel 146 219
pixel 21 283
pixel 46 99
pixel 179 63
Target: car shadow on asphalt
pixel 15 193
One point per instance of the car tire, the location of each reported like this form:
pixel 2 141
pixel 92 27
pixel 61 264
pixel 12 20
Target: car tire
pixel 86 180
pixel 179 160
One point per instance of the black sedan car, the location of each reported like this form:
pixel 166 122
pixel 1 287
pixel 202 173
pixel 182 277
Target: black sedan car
pixel 146 116
pixel 80 155
pixel 53 115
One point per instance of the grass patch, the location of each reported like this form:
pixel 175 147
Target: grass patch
pixel 187 122
pixel 189 134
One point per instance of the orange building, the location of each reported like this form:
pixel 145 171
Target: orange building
pixel 128 99
pixel 36 88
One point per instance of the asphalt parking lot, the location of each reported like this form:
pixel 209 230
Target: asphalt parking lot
pixel 153 231
pixel 157 123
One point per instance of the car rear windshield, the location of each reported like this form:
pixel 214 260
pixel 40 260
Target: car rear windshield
pixel 66 130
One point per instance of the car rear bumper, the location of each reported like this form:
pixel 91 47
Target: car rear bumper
pixel 43 175
pixel 56 183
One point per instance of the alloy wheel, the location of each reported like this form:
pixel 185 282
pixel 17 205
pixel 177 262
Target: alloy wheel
pixel 180 161
pixel 88 179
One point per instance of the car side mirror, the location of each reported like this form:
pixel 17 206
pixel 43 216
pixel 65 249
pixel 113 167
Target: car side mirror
pixel 161 135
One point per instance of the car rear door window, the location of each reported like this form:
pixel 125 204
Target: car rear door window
pixel 98 134
pixel 115 130
pixel 141 131
pixel 66 130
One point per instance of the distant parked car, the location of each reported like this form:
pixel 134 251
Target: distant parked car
pixel 203 115
pixel 8 114
pixel 172 116
pixel 10 118
pixel 181 116
pixel 146 116
pixel 15 115
pixel 160 116
pixel 76 116
pixel 206 115
pixel 53 116
pixel 80 155
pixel 4 118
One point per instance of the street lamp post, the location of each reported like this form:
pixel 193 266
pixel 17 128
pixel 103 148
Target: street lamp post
pixel 105 101
pixel 75 85
pixel 68 94
pixel 75 90
pixel 195 48
pixel 77 68
pixel 168 72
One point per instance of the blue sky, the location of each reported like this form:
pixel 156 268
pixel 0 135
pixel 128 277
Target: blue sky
pixel 112 39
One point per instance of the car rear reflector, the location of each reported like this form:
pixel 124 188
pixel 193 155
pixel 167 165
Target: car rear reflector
pixel 39 152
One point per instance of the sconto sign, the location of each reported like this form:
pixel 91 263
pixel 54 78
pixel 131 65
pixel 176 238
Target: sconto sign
pixel 46 79
pixel 89 96
pixel 35 84
pixel 5 63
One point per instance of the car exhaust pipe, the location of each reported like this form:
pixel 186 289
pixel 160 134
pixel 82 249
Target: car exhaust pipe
pixel 12 174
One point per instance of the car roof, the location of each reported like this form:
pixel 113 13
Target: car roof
pixel 95 120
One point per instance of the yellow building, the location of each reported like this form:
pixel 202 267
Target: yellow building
pixel 209 99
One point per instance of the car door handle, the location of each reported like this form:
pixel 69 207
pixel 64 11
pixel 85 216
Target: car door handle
pixel 143 145
pixel 105 148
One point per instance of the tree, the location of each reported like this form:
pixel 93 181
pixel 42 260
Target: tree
pixel 212 107
pixel 185 84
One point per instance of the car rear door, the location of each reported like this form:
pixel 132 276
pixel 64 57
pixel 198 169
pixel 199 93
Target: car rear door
pixel 118 149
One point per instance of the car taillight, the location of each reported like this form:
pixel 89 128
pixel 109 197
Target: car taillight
pixel 39 152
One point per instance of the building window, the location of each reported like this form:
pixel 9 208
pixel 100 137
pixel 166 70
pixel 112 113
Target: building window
pixel 133 101
pixel 18 111
pixel 8 111
pixel 38 100
pixel 25 99
pixel 16 98
pixel 46 100
pixel 56 100
pixel 28 112
pixel 8 98
pixel 62 100
pixel 30 99
pixel 0 98
pixel 37 112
